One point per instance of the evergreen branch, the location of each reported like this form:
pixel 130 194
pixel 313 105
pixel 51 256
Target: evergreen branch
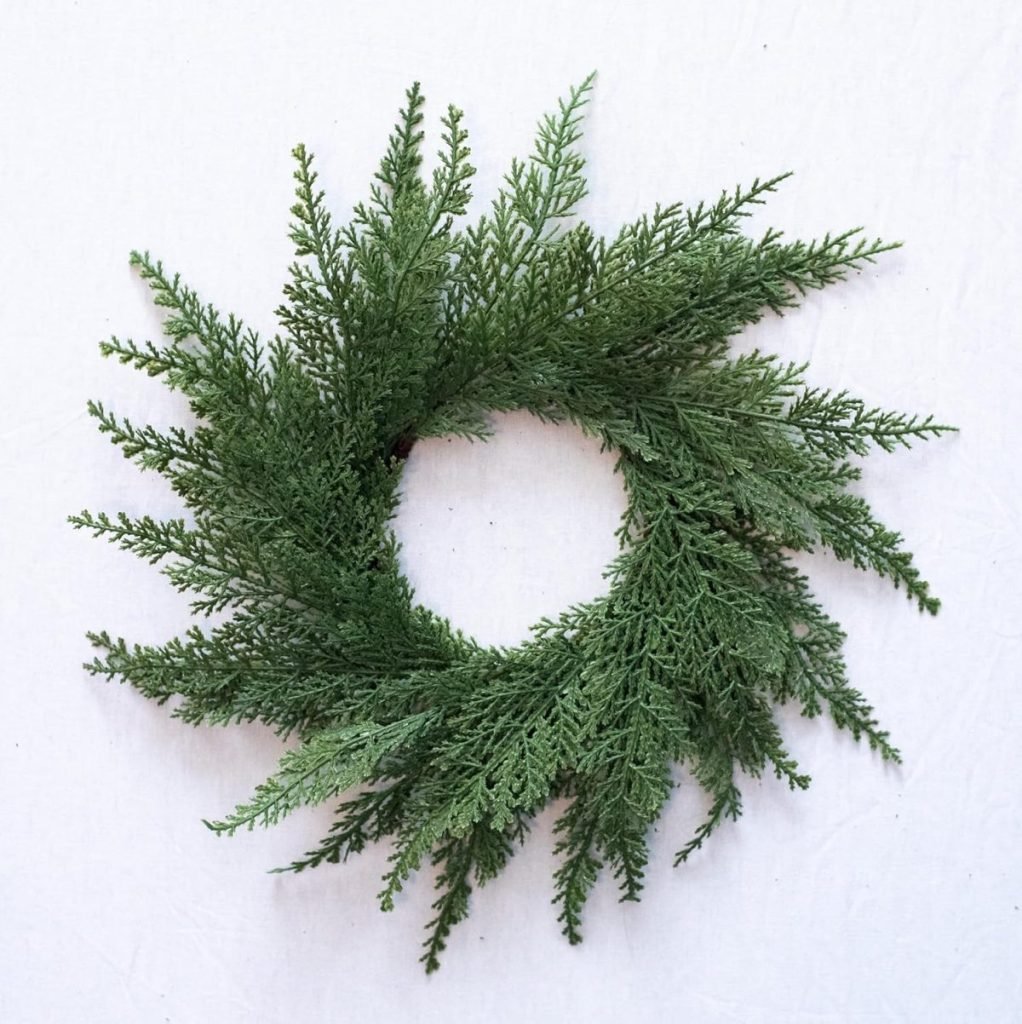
pixel 399 168
pixel 699 223
pixel 727 804
pixel 367 817
pixel 329 762
pixel 483 852
pixel 312 230
pixel 451 906
pixel 577 874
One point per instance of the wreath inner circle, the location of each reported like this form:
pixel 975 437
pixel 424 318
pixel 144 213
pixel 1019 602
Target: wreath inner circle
pixel 495 535
pixel 414 320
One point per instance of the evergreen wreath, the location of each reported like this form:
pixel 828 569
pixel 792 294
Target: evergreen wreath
pixel 399 326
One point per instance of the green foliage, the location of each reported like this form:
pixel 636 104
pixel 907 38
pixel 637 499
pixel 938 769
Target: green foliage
pixel 403 324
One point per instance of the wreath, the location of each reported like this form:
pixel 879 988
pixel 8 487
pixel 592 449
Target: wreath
pixel 401 325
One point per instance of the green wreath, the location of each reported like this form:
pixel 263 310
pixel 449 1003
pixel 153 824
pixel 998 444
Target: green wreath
pixel 400 326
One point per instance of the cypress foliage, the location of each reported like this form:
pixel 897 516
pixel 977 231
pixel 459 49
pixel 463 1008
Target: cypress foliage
pixel 407 323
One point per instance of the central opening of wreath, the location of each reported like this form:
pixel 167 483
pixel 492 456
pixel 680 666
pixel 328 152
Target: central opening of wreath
pixel 497 535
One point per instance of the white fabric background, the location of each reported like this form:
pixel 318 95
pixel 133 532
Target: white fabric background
pixel 879 895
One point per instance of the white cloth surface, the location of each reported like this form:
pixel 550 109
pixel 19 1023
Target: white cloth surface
pixel 878 895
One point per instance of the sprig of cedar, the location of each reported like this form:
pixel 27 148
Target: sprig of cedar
pixel 409 322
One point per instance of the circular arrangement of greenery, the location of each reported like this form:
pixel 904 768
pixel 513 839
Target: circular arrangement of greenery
pixel 399 326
